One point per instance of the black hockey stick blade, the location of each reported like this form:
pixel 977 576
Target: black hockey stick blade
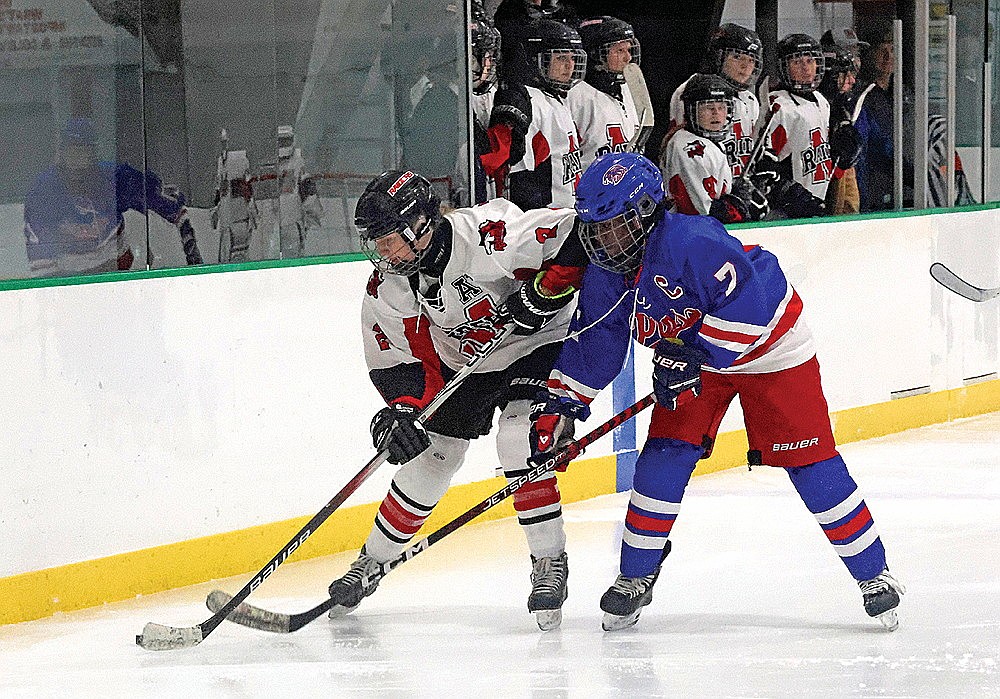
pixel 951 281
pixel 265 620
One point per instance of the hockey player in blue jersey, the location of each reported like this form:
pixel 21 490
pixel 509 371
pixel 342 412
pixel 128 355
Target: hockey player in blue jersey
pixel 73 221
pixel 723 321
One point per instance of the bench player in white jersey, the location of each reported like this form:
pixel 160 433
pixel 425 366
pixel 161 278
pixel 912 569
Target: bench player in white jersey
pixel 798 152
pixel 602 104
pixel 484 57
pixel 695 168
pixel 736 54
pixel 531 129
pixel 443 285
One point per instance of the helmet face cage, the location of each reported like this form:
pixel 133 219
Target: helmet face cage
pixel 396 247
pixel 485 45
pixel 634 49
pixel 691 113
pixel 562 84
pixel 758 64
pixel 783 69
pixel 616 244
pixel 839 60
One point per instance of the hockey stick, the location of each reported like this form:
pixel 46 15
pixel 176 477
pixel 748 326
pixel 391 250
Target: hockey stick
pixel 643 106
pixel 952 282
pixel 264 620
pixel 160 637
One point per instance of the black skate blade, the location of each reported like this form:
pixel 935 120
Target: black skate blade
pixel 613 622
pixel 548 619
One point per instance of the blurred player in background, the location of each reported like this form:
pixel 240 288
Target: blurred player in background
pixel 800 156
pixel 602 104
pixel 842 195
pixel 723 321
pixel 695 167
pixel 73 215
pixel 443 286
pixel 735 54
pixel 485 56
pixel 534 157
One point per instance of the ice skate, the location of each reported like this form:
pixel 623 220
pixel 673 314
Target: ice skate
pixel 624 600
pixel 881 595
pixel 348 591
pixel 548 590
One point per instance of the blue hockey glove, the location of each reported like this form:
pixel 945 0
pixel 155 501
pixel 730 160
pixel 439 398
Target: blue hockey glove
pixel 677 372
pixel 552 426
pixel 397 430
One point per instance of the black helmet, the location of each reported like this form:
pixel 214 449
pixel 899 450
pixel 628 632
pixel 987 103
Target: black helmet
pixel 598 35
pixel 393 203
pixel 702 88
pixel 485 45
pixel 795 46
pixel 734 40
pixel 543 40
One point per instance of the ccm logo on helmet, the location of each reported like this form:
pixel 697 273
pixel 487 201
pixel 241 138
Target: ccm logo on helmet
pixel 403 179
pixel 791 446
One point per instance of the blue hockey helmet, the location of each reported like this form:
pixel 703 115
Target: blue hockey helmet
pixel 618 200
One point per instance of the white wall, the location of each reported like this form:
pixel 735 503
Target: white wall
pixel 146 412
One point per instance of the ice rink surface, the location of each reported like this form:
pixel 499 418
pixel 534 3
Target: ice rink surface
pixel 752 602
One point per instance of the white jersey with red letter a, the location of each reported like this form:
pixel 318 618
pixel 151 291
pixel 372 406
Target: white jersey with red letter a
pixel 551 165
pixel 799 130
pixel 606 125
pixel 494 247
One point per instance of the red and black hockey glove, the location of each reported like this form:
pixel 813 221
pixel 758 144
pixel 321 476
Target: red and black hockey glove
pixel 677 372
pixel 553 421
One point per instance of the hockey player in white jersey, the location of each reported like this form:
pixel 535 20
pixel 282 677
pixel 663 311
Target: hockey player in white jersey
pixel 602 104
pixel 442 286
pixel 483 57
pixel 695 167
pixel 735 54
pixel 798 149
pixel 535 149
pixel 299 208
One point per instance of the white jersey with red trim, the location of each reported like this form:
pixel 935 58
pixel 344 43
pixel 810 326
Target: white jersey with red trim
pixel 746 111
pixel 799 131
pixel 424 321
pixel 551 166
pixel 606 124
pixel 695 171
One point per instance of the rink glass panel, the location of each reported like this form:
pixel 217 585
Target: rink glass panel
pixel 342 82
pixel 346 78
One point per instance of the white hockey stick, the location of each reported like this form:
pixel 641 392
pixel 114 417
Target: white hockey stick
pixel 643 106
pixel 952 282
